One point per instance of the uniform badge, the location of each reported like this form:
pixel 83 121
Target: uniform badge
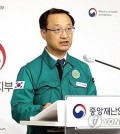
pixel 19 84
pixel 75 74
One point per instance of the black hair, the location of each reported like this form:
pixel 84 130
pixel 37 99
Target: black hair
pixel 43 18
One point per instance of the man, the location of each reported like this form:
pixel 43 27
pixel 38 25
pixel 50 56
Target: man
pixel 47 79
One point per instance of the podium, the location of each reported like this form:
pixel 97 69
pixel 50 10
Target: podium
pixel 81 115
pixel 54 115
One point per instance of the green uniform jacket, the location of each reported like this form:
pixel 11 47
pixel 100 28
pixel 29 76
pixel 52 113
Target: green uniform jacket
pixel 42 85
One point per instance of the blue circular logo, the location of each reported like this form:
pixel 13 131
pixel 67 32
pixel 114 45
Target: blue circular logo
pixel 81 113
pixel 92 12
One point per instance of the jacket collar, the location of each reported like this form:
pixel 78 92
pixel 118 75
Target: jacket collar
pixel 51 62
pixel 69 60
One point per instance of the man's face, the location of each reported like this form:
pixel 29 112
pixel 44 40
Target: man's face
pixel 58 42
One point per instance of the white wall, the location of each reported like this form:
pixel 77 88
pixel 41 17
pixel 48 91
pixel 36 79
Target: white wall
pixel 96 36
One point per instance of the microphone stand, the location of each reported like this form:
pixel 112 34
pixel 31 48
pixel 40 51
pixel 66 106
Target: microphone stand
pixel 107 64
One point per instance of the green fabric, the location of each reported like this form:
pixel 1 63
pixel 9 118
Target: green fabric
pixel 42 85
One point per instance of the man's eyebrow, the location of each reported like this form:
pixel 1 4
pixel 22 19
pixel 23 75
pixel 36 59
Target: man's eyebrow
pixel 61 25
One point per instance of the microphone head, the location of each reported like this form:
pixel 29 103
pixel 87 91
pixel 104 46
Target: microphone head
pixel 88 59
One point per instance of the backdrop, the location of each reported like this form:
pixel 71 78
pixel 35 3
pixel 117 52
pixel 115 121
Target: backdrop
pixel 97 34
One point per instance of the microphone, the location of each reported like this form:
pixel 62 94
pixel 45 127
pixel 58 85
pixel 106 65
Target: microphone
pixel 91 60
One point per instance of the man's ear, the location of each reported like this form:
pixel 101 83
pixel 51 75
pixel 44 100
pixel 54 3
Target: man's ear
pixel 43 33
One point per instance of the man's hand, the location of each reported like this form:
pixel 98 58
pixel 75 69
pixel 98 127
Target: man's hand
pixel 46 105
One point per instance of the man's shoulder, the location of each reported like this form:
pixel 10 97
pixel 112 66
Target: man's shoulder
pixel 79 65
pixel 75 60
pixel 33 64
pixel 35 61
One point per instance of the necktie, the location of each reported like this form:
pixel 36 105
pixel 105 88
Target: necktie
pixel 59 65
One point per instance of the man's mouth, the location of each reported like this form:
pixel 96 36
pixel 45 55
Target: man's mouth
pixel 64 42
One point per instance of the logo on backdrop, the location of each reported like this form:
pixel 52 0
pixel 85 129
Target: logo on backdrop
pixel 2 56
pixel 95 121
pixel 100 12
pixel 79 111
pixel 92 12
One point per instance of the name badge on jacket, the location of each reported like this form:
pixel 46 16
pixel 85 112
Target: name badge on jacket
pixel 81 84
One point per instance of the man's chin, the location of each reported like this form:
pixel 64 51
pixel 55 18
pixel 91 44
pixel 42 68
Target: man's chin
pixel 65 49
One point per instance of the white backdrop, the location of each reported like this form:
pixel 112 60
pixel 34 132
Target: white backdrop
pixel 96 36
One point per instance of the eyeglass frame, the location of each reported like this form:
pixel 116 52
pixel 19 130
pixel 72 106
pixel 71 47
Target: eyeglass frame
pixel 61 30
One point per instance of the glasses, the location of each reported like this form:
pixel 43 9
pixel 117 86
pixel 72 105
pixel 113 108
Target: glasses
pixel 68 30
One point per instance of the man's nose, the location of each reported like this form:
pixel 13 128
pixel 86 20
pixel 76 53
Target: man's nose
pixel 64 34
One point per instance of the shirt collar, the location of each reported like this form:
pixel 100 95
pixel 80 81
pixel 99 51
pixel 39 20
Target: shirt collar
pixel 54 57
pixel 52 62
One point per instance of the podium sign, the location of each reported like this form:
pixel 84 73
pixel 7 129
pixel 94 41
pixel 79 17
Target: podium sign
pixel 80 112
pixel 89 112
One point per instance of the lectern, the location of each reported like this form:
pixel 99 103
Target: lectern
pixel 54 115
pixel 81 115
